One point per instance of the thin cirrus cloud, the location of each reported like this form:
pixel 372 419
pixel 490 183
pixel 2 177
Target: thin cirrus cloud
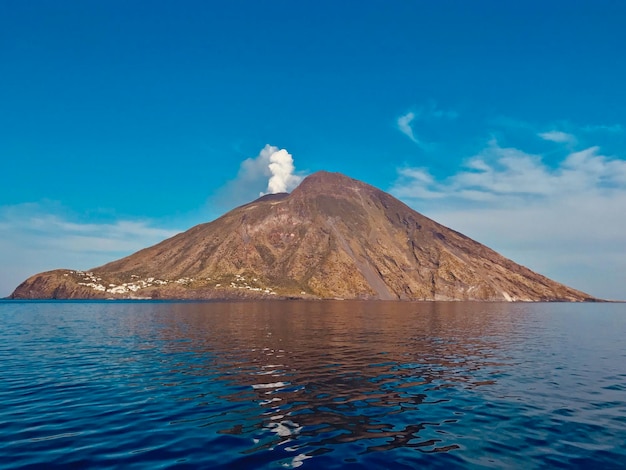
pixel 500 174
pixel 404 125
pixel 564 220
pixel 558 136
pixel 406 122
pixel 38 236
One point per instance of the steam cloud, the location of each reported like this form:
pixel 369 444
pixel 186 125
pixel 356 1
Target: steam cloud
pixel 271 171
pixel 281 167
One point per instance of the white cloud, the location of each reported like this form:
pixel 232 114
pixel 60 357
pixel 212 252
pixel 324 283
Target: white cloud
pixel 38 237
pixel 421 190
pixel 404 125
pixel 406 122
pixel 566 221
pixel 558 136
pixel 499 172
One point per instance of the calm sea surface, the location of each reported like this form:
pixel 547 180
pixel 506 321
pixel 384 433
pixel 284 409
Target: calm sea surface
pixel 312 385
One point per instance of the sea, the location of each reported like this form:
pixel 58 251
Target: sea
pixel 312 385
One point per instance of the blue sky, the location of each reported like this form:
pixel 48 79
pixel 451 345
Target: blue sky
pixel 123 122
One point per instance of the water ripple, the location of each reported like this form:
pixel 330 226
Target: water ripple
pixel 312 385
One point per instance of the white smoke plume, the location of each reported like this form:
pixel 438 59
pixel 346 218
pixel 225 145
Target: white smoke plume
pixel 282 169
pixel 271 171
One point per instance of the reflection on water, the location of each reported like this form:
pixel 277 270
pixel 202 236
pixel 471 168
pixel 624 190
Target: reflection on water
pixel 319 384
pixel 347 373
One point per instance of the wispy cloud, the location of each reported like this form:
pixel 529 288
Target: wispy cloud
pixel 404 125
pixel 498 172
pixel 558 136
pixel 406 122
pixel 564 220
pixel 38 236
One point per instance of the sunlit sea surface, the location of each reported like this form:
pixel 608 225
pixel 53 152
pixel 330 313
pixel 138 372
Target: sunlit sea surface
pixel 312 385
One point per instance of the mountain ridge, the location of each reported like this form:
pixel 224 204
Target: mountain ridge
pixel 331 237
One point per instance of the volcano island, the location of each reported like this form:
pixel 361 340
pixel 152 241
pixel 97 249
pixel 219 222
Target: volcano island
pixel 333 237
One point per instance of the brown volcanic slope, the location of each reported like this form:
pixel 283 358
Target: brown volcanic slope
pixel 332 237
